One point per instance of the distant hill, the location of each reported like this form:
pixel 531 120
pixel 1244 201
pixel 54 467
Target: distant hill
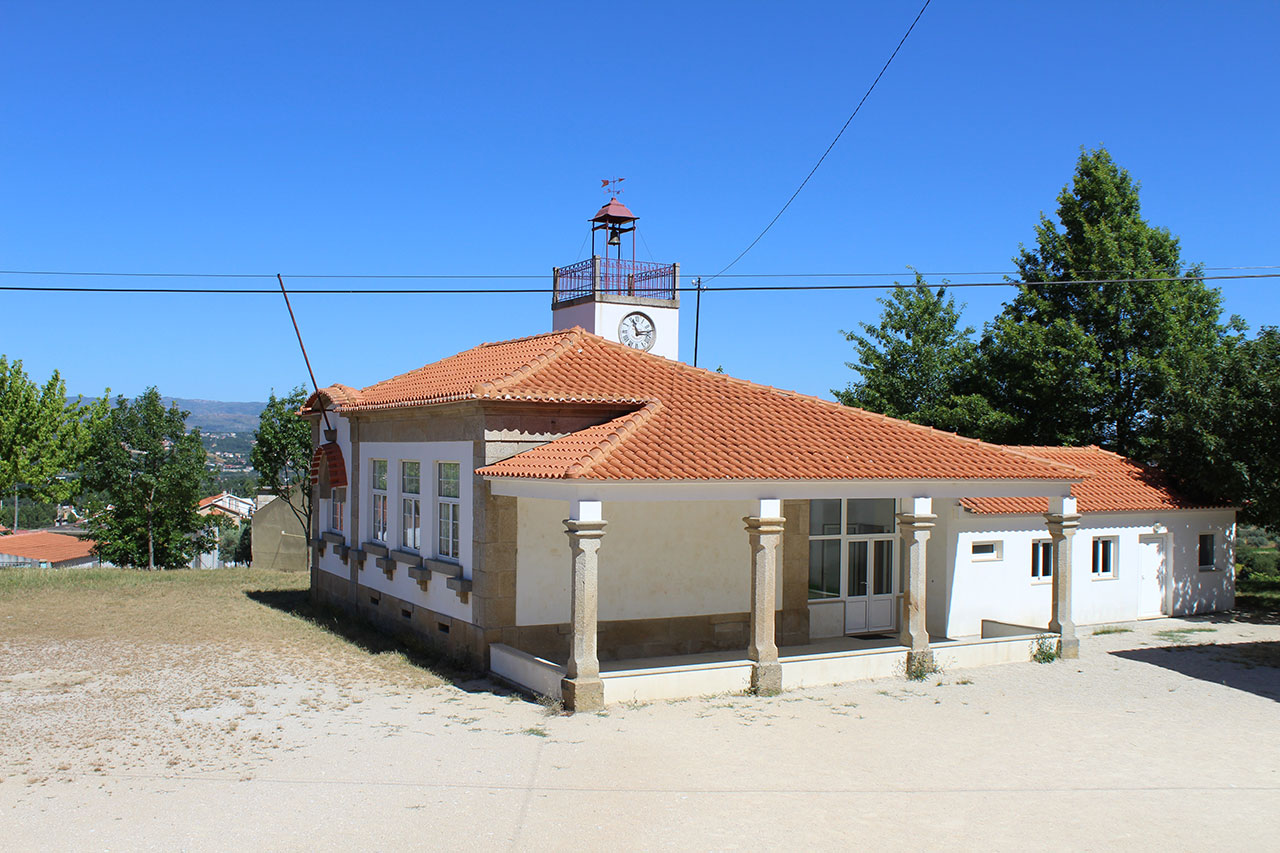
pixel 217 415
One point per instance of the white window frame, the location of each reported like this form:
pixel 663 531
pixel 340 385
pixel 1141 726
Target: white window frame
pixel 1097 548
pixel 410 507
pixel 1212 565
pixel 996 555
pixel 338 509
pixel 1041 571
pixel 378 516
pixel 847 541
pixel 448 512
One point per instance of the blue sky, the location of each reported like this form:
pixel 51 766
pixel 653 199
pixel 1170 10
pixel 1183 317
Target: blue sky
pixel 389 138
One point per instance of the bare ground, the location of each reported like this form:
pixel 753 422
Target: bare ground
pixel 180 713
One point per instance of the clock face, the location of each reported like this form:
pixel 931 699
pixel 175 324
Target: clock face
pixel 636 331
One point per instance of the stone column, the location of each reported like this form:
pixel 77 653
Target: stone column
pixel 1063 519
pixel 581 689
pixel 764 531
pixel 915 524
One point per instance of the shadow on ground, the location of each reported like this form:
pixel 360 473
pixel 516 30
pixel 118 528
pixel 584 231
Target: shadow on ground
pixel 1252 667
pixel 364 635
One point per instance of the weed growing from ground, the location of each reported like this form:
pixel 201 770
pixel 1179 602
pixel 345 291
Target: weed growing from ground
pixel 1182 635
pixel 920 667
pixel 1044 649
pixel 1111 629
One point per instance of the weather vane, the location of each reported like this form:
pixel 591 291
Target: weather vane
pixel 612 186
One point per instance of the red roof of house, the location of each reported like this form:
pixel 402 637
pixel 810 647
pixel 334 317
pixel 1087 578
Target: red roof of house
pixel 45 546
pixel 1115 484
pixel 684 423
pixel 204 502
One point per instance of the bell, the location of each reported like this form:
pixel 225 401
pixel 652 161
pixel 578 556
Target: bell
pixel 615 236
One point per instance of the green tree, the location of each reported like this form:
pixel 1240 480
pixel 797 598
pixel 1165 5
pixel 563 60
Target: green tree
pixel 917 363
pixel 43 436
pixel 282 454
pixel 1089 363
pixel 148 472
pixel 1220 425
pixel 244 547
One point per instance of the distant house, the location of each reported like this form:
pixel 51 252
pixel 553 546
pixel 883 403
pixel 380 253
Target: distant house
pixel 221 506
pixel 46 550
pixel 228 505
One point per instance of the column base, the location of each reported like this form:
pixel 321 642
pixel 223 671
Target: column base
pixel 582 694
pixel 919 664
pixel 766 679
pixel 1069 648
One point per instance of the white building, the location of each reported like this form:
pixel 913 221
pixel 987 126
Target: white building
pixel 568 511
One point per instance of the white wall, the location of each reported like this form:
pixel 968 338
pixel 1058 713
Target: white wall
pixel 1003 590
pixel 602 318
pixel 439 597
pixel 679 558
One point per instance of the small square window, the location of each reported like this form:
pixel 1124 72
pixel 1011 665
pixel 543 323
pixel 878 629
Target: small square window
pixel 1104 557
pixel 1207 557
pixel 986 551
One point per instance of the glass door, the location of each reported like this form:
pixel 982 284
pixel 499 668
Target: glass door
pixel 870 592
pixel 852 559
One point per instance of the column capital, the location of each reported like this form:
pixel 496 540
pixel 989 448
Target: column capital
pixel 917 520
pixel 757 525
pixel 1061 525
pixel 577 528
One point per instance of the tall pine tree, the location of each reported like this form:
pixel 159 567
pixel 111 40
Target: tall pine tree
pixel 1089 363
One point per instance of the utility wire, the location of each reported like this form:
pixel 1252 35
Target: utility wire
pixel 847 122
pixel 1177 271
pixel 545 290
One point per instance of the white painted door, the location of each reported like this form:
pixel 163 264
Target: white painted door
pixel 1152 574
pixel 870 598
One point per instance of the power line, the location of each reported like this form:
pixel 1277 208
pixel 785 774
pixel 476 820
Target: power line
pixel 546 290
pixel 847 122
pixel 527 277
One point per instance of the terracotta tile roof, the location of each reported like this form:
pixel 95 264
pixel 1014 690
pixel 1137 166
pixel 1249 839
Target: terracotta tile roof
pixel 204 502
pixel 687 423
pixel 1114 484
pixel 47 547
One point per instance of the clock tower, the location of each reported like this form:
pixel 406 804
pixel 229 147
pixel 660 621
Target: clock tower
pixel 636 303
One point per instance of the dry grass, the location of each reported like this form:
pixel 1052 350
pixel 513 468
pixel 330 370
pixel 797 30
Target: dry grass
pixel 105 669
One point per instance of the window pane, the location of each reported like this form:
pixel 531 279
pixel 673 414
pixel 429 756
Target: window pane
pixel 883 562
pixel 858 568
pixel 869 516
pixel 824 568
pixel 1097 555
pixel 984 549
pixel 448 476
pixel 412 516
pixel 824 518
pixel 1206 549
pixel 380 474
pixel 410 477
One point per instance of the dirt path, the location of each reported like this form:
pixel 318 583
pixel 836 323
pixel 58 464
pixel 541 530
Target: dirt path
pixel 209 748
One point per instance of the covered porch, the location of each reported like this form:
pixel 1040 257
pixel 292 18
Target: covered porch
pixel 831 661
pixel 583 681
